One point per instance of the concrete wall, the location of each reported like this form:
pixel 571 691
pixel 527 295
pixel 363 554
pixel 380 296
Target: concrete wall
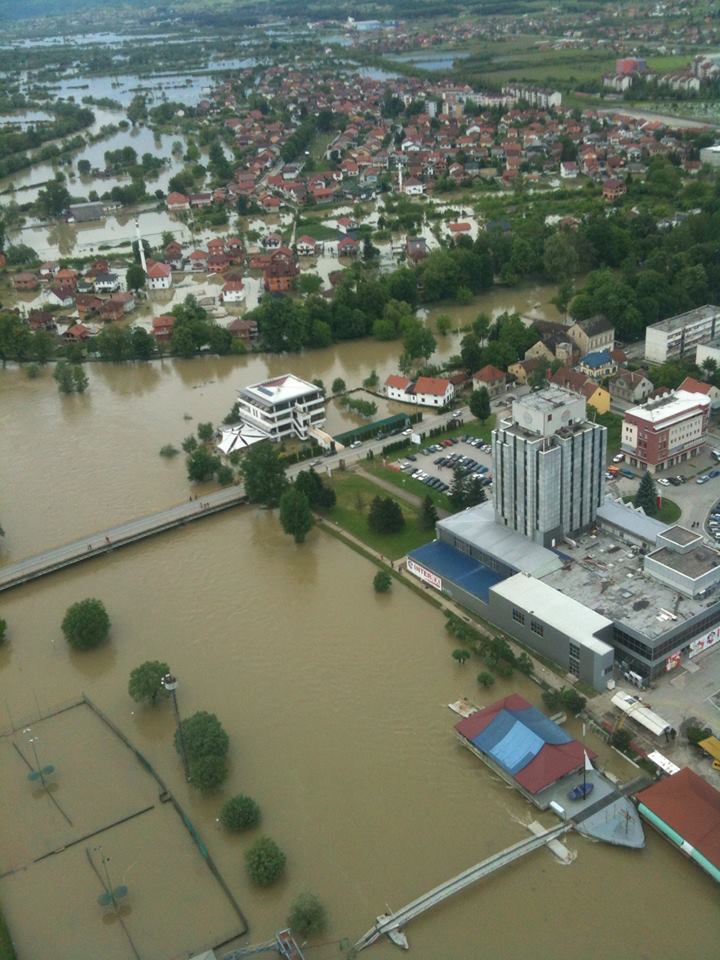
pixel 554 644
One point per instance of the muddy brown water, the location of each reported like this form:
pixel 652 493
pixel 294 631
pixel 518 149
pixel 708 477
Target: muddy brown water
pixel 335 700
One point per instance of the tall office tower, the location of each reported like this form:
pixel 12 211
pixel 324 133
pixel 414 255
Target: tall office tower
pixel 549 463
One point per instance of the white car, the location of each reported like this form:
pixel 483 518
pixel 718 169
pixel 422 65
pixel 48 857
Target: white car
pixel 664 482
pixel 703 479
pixel 356 444
pixel 618 458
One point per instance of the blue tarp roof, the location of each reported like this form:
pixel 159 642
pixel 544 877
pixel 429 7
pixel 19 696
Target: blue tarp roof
pixel 515 737
pixel 597 359
pixel 458 567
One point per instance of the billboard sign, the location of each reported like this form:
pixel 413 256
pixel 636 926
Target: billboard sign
pixel 703 643
pixel 422 573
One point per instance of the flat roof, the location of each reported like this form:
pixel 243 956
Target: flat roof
pixel 669 324
pixel 458 567
pixel 680 535
pixel 477 525
pixel 278 390
pixel 556 609
pixel 607 576
pixel 692 564
pixel 549 400
pixel 669 407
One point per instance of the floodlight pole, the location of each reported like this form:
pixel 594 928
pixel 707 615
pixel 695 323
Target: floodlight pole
pixel 170 683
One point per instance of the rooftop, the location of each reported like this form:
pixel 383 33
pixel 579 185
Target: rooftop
pixel 278 390
pixel 607 577
pixel 477 525
pixel 680 535
pixel 670 406
pixel 692 564
pixel 670 324
pixel 629 518
pixel 557 609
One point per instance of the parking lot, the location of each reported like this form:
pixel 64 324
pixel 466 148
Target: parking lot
pixel 434 464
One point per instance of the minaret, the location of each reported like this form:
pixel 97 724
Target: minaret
pixel 400 172
pixel 141 248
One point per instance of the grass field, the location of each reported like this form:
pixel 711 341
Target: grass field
pixel 403 482
pixel 613 423
pixel 354 496
pixel 669 512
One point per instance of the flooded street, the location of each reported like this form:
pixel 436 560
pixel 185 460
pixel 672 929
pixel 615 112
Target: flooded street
pixel 334 698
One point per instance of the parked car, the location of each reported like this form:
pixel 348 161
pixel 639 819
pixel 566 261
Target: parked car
pixel 703 478
pixel 664 481
pixel 618 458
pixel 675 481
pixel 411 456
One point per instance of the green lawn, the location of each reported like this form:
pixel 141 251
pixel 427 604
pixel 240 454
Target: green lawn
pixel 613 422
pixel 404 482
pixel 318 231
pixel 354 496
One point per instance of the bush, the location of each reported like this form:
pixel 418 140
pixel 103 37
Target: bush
pixel 240 813
pixel 485 679
pixel 693 732
pixel 169 451
pixel 382 581
pixel 307 916
pixel 621 739
pixel 86 624
pixel 461 655
pixel 338 385
pixel 224 476
pixel 504 669
pixel 208 773
pixel 265 862
pixel 3 631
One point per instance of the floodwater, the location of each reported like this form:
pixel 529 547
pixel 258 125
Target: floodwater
pixel 334 698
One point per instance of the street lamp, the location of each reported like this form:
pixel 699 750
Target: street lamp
pixel 170 683
pixel 111 894
pixel 38 772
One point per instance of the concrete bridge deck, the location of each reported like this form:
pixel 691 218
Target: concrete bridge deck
pixel 103 542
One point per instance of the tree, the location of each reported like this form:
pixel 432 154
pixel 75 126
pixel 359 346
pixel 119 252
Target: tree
pixel 316 491
pixel 459 489
pixel 485 679
pixel 309 283
pixel 43 346
pixel 265 862
pixel 202 465
pixel 137 110
pixel 142 343
pixel 135 278
pixel 145 684
pixel 189 444
pixel 382 581
pixel 295 514
pixel 646 496
pixel 475 492
pixel 560 258
pixel 264 475
pixel 428 516
pixel 202 736
pixel 224 475
pixel 307 916
pixel 86 624
pixel 63 376
pixel 443 324
pixel 53 200
pixel 79 379
pixel 418 341
pixel 208 773
pixel 385 516
pixel 240 813
pixel 460 655
pixel 113 343
pixel 480 404
pixel 205 432
pixel 338 385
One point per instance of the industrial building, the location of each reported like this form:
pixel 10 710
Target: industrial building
pixel 626 589
pixel 679 336
pixel 665 431
pixel 549 463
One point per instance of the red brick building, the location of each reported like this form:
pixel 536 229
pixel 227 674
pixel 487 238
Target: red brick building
pixel 665 431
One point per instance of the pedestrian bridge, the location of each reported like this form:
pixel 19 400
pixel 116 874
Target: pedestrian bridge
pixel 391 924
pixel 105 541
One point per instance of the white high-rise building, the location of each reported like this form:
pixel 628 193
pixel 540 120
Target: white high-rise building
pixel 285 406
pixel 549 464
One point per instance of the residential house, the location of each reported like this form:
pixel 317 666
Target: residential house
pixel 595 395
pixel 691 385
pixel 308 247
pixel 613 189
pixel 77 333
pixel 198 261
pixel 111 311
pixel 413 187
pixel 159 276
pixel 348 247
pixel 425 391
pixel 233 292
pixel 216 246
pixel 416 249
pixel 217 263
pixel 200 199
pixel 61 296
pixel 67 277
pixel 632 386
pixel 595 333
pixel 42 320
pixel 568 170
pixel 26 281
pixel 87 303
pixel 177 201
pixel 173 254
pixel 125 298
pixel 491 378
pixel 272 241
pixel 279 274
pixel 162 327
pixel 245 330
pixel 522 370
pixel 598 364
pixel 106 282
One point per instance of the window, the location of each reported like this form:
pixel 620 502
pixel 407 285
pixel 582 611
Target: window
pixel 518 616
pixel 574 667
pixel 574 650
pixel 537 628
